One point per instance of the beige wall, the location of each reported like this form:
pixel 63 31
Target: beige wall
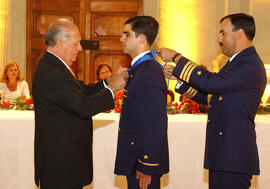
pixel 211 12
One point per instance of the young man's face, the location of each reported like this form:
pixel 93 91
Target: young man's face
pixel 130 41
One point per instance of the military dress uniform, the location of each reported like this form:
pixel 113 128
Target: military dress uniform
pixel 142 137
pixel 233 96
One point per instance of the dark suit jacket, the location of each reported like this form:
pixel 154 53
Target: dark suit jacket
pixel 63 124
pixel 142 137
pixel 233 96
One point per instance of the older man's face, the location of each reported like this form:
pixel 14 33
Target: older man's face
pixel 71 48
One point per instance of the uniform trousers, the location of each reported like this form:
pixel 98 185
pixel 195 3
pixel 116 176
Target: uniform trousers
pixel 133 183
pixel 228 180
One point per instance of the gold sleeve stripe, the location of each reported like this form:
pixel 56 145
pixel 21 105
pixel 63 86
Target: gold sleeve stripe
pixel 194 92
pixel 190 66
pixel 187 70
pixel 148 164
pixel 209 96
pixel 187 92
pixel 184 69
pixel 190 71
pixel 190 93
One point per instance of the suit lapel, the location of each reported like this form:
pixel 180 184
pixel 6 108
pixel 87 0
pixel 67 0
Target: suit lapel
pixel 58 64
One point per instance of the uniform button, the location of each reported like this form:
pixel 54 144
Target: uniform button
pixel 208 121
pixel 199 73
pixel 220 133
pixel 220 98
pixel 118 128
pixel 132 143
pixel 145 156
pixel 131 76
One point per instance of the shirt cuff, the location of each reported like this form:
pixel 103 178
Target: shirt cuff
pixel 104 83
pixel 178 85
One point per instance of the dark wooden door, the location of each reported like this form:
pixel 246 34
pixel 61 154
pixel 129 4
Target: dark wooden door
pixel 100 20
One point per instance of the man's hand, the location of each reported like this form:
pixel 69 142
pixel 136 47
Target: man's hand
pixel 167 54
pixel 144 180
pixel 118 80
pixel 168 72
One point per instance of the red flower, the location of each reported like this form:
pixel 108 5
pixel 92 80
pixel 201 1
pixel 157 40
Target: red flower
pixel 6 104
pixel 117 102
pixel 29 101
pixel 118 109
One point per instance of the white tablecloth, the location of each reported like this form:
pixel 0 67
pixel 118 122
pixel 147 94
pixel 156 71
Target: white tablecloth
pixel 186 142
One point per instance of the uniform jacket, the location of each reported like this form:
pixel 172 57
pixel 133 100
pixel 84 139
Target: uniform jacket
pixel 233 96
pixel 63 124
pixel 142 137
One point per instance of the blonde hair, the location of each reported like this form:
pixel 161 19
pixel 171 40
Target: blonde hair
pixel 4 77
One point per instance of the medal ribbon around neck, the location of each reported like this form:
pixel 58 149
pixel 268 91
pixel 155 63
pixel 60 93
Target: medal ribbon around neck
pixel 148 57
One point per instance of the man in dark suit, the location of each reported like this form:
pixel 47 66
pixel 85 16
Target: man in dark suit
pixel 233 95
pixel 142 149
pixel 63 110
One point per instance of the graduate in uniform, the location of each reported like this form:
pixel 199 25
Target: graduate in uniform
pixel 142 148
pixel 233 95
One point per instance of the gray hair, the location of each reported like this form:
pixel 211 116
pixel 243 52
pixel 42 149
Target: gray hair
pixel 59 29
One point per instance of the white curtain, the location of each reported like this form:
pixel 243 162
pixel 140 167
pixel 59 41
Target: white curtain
pixel 3 32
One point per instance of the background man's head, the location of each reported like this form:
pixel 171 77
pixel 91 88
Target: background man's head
pixel 104 71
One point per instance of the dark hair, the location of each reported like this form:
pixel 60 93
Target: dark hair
pixel 146 25
pixel 101 66
pixel 244 22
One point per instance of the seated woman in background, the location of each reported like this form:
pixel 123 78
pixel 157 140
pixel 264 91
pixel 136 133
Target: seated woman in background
pixel 103 71
pixel 12 84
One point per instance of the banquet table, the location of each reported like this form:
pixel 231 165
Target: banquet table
pixel 186 135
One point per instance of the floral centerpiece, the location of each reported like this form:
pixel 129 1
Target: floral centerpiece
pixel 264 109
pixel 17 104
pixel 187 106
pixel 118 101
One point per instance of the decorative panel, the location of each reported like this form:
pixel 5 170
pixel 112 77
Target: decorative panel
pixel 118 6
pixel 108 24
pixel 44 20
pixel 36 55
